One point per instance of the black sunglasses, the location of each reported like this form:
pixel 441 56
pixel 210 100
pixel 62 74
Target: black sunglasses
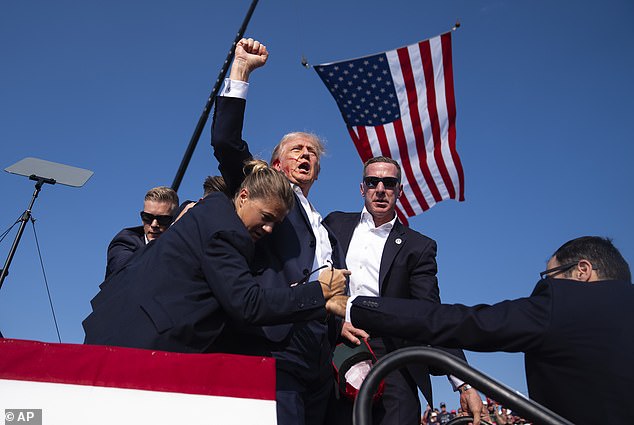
pixel 388 182
pixel 163 220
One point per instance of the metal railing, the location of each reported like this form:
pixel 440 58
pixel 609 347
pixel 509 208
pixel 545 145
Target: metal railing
pixel 526 408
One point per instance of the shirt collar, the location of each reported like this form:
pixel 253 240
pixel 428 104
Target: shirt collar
pixel 297 190
pixel 367 218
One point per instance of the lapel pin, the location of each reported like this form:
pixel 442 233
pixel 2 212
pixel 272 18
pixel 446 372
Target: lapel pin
pixel 398 241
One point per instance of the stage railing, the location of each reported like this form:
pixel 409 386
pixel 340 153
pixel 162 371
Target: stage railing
pixel 526 408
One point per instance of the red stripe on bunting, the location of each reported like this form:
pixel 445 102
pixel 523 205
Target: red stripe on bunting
pixel 224 375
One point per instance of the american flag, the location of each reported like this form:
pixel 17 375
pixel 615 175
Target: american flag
pixel 400 104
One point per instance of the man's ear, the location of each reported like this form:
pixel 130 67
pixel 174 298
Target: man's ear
pixel 276 165
pixel 583 271
pixel 400 191
pixel 362 189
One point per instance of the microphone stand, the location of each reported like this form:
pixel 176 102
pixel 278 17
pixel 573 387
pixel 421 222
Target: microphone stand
pixel 26 216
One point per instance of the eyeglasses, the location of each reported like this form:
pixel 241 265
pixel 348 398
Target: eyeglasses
pixel 163 220
pixel 557 270
pixel 388 182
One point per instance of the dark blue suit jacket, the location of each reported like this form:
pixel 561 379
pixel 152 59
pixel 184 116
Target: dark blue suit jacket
pixel 182 290
pixel 123 246
pixel 408 270
pixel 578 339
pixel 283 257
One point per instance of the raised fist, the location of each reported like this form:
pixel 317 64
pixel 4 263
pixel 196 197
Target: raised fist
pixel 249 55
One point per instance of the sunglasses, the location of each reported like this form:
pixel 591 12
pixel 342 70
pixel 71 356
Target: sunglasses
pixel 388 182
pixel 163 220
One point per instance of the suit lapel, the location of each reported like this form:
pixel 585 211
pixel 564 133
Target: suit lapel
pixel 300 214
pixel 301 227
pixel 395 241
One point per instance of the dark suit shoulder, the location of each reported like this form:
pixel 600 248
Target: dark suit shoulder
pixel 216 218
pixel 128 233
pixel 414 236
pixel 123 246
pixel 337 215
pixel 339 218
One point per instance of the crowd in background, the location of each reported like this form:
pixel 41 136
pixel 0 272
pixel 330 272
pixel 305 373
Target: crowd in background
pixel 493 413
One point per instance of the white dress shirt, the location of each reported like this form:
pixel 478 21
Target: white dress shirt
pixel 323 250
pixel 365 253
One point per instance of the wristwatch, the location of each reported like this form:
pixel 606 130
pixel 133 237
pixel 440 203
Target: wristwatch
pixel 464 388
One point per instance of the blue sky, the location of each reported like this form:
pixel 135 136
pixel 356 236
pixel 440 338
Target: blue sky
pixel 544 95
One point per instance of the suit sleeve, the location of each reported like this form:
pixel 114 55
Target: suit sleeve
pixel 423 285
pixel 226 270
pixel 226 139
pixel 513 326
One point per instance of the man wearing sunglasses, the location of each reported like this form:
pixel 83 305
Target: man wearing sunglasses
pixel 576 330
pixel 388 259
pixel 157 215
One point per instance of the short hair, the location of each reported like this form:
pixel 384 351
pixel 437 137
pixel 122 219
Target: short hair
pixel 386 160
pixel 289 137
pixel 162 194
pixel 265 182
pixel 214 184
pixel 600 252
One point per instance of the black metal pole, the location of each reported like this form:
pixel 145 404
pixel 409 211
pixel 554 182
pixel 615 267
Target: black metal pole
pixel 205 115
pixel 24 219
pixel 527 408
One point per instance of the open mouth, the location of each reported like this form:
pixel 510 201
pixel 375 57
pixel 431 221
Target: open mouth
pixel 304 166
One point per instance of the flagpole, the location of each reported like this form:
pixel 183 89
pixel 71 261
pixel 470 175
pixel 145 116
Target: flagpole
pixel 205 114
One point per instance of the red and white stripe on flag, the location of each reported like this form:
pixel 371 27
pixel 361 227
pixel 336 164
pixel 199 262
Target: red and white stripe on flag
pixel 401 104
pixel 84 384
